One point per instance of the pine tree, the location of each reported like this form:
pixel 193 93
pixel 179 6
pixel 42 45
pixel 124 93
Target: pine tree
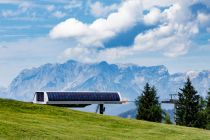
pixel 167 119
pixel 188 106
pixel 208 110
pixel 148 106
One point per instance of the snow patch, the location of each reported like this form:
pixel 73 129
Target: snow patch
pixel 192 74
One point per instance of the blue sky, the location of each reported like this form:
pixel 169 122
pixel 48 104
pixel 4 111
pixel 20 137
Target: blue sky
pixel 174 33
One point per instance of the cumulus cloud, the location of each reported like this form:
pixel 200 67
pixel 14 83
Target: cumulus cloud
pixel 172 36
pixel 98 9
pixel 148 4
pixel 101 29
pixel 166 39
pixel 204 19
pixel 153 16
pixel 69 28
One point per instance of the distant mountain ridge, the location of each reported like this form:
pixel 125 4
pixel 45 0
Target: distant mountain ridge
pixel 74 75
pixel 127 79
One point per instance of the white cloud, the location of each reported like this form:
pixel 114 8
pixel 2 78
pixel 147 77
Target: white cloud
pixel 93 55
pixel 172 38
pixel 24 6
pixel 8 13
pixel 148 4
pixel 18 55
pixel 98 9
pixel 204 19
pixel 59 14
pixel 80 53
pixel 69 28
pixel 153 16
pixel 73 4
pixel 101 29
pixel 113 54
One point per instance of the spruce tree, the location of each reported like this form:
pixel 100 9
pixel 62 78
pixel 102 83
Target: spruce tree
pixel 148 106
pixel 188 107
pixel 208 111
pixel 167 119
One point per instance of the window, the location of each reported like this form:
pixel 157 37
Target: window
pixel 40 96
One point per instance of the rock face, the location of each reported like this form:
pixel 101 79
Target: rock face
pixel 127 79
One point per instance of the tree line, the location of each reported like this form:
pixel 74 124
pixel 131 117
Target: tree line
pixel 190 108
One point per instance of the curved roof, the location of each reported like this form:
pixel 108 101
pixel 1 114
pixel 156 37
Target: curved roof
pixel 83 96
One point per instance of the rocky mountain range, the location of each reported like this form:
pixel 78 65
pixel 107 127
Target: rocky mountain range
pixel 128 79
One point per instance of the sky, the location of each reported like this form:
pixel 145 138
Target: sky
pixel 174 33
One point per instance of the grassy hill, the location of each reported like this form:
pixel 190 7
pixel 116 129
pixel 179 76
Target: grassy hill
pixel 20 120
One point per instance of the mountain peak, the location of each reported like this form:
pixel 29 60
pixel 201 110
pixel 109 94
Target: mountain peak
pixel 103 63
pixel 71 62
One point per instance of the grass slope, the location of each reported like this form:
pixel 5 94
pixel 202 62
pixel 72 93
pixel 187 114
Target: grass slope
pixel 20 120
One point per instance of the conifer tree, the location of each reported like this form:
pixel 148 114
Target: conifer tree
pixel 148 106
pixel 167 119
pixel 208 110
pixel 188 106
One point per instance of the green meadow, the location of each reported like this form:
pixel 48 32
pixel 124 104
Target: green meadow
pixel 19 120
